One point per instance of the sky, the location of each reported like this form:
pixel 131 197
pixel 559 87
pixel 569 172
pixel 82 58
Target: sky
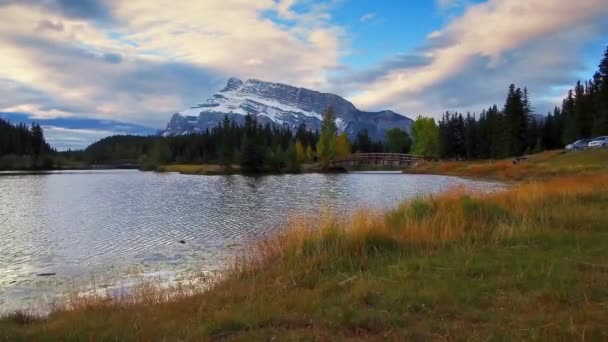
pixel 91 68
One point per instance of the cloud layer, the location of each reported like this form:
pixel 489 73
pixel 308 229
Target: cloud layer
pixel 471 61
pixel 138 61
pixel 141 60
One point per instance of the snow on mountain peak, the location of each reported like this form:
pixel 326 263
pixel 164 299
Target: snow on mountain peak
pixel 281 104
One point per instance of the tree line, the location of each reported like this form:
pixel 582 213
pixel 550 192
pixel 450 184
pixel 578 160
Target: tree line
pixel 252 146
pixel 23 147
pixel 514 129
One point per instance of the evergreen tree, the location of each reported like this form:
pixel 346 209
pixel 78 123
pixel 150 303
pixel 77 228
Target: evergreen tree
pixel 470 137
pixel 363 143
pixel 602 96
pixel 227 143
pixel 397 141
pixel 516 119
pixel 252 152
pixel 570 133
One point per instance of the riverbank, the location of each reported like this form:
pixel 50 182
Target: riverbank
pixel 526 263
pixel 216 169
pixel 538 166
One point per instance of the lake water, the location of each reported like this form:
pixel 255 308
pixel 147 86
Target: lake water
pixel 73 225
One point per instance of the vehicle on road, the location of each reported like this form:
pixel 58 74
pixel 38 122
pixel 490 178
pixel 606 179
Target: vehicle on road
pixel 598 142
pixel 581 144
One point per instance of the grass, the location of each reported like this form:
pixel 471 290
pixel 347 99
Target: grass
pixel 529 263
pixel 538 166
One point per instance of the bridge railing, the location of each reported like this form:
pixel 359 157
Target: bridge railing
pixel 376 156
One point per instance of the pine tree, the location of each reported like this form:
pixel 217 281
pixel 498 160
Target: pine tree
pixel 363 143
pixel 252 153
pixel 227 147
pixel 570 132
pixel 602 96
pixel 517 122
pixel 397 141
pixel 471 137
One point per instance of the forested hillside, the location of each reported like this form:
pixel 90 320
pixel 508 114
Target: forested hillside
pixel 255 147
pixel 515 129
pixel 23 147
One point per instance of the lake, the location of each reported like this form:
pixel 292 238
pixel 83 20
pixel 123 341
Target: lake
pixel 64 227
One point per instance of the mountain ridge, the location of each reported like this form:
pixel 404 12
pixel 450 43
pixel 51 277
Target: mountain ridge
pixel 281 104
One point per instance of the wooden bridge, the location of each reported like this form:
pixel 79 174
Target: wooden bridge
pixel 389 160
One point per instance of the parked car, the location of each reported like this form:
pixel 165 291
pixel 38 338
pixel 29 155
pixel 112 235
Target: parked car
pixel 598 142
pixel 581 144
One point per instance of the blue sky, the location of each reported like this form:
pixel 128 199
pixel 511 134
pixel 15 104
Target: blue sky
pixel 90 68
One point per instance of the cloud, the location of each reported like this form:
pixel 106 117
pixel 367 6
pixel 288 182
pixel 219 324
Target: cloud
pixel 74 132
pixel 81 9
pixel 63 139
pixel 470 63
pixel 36 111
pixel 139 61
pixel 112 58
pixel 46 24
pixel 447 4
pixel 367 17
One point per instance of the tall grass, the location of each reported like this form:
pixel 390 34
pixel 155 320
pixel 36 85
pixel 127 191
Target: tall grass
pixel 421 223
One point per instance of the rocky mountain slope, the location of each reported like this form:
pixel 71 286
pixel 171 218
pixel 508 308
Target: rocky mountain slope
pixel 283 105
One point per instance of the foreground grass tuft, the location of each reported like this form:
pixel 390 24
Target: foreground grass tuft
pixel 527 263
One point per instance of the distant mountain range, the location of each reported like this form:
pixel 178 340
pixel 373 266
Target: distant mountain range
pixel 281 104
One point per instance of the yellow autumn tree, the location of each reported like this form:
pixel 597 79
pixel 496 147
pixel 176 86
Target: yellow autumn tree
pixel 343 147
pixel 300 152
pixel 310 155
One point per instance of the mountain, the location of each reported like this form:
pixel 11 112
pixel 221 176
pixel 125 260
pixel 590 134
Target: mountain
pixel 282 104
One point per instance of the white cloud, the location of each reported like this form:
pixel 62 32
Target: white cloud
pixel 157 57
pixel 485 36
pixel 71 138
pixel 447 4
pixel 367 17
pixel 37 112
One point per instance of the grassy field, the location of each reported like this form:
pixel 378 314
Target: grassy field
pixel 538 166
pixel 529 263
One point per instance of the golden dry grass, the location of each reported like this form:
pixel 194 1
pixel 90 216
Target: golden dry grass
pixel 199 169
pixel 542 165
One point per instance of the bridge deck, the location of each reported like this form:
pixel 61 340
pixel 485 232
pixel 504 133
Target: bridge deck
pixel 384 159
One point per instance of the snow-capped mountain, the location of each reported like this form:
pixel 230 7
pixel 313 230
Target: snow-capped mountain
pixel 281 104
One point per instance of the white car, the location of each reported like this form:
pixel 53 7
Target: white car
pixel 581 144
pixel 599 142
